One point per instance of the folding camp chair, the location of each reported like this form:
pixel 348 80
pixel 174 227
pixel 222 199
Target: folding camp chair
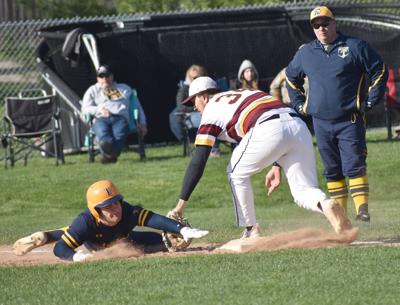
pixel 190 123
pixel 134 120
pixel 31 123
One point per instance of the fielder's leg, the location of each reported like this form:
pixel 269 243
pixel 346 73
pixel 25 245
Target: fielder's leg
pixel 300 169
pixel 255 152
pixel 336 216
pixel 298 162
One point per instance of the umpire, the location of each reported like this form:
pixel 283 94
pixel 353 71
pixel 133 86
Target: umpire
pixel 346 79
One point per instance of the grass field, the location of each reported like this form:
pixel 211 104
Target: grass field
pixel 43 196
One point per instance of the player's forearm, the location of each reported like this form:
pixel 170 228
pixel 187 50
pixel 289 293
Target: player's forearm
pixel 163 223
pixel 194 171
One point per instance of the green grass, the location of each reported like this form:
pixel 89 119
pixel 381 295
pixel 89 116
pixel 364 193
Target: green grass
pixel 43 196
pixel 327 276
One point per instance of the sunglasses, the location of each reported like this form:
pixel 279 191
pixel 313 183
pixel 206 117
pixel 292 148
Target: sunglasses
pixel 324 24
pixel 103 75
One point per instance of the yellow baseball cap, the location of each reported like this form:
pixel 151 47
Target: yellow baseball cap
pixel 321 11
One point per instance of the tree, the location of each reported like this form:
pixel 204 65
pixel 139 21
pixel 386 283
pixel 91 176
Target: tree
pixel 82 8
pixel 69 8
pixel 134 6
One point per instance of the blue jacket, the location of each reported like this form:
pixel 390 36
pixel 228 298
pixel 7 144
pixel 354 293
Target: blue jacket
pixel 347 78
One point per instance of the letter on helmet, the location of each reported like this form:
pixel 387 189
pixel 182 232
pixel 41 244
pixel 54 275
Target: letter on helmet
pixel 101 194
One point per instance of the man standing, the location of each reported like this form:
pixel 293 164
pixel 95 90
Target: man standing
pixel 109 102
pixel 267 131
pixel 346 78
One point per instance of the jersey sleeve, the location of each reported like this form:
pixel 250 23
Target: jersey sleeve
pixel 207 134
pixel 295 80
pixel 135 215
pixel 376 70
pixel 74 236
pixel 163 223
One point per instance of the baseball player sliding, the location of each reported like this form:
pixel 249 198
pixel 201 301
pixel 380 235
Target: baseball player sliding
pixel 107 219
pixel 267 131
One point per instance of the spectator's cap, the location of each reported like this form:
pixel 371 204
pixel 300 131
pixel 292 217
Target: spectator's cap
pixel 199 85
pixel 103 70
pixel 321 11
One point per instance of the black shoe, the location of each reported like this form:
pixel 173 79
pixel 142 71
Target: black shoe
pixel 106 160
pixel 107 148
pixel 363 216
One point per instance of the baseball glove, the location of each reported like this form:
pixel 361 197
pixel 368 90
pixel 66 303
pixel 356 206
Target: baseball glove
pixel 28 243
pixel 175 242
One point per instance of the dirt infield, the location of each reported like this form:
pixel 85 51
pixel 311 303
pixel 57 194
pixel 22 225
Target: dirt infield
pixel 303 238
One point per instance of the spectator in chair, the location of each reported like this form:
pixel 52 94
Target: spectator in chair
pixel 176 117
pixel 108 102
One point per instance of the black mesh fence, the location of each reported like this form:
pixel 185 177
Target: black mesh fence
pixel 152 52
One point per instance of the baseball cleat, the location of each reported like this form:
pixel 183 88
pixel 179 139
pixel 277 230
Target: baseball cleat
pixel 254 232
pixel 189 233
pixel 26 244
pixel 336 216
pixel 363 216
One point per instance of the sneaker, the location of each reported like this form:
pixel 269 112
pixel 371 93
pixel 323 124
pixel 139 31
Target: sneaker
pixel 363 216
pixel 189 233
pixel 28 243
pixel 336 216
pixel 254 232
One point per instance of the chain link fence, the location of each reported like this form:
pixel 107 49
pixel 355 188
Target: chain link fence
pixel 19 41
pixel 18 44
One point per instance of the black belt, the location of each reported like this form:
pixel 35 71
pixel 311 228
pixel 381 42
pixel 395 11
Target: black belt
pixel 276 116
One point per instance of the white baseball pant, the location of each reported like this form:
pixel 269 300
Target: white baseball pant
pixel 286 140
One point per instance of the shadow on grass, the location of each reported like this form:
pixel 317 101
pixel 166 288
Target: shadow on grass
pixel 386 140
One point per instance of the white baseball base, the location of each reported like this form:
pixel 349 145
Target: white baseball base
pixel 240 245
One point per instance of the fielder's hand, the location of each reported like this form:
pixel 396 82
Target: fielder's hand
pixel 273 179
pixel 175 242
pixel 300 110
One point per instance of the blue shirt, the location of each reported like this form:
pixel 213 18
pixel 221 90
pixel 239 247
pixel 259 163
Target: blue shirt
pixel 338 77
